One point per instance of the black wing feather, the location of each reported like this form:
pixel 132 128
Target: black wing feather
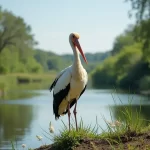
pixel 58 97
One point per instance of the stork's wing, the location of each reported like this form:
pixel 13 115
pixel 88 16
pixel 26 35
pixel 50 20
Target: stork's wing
pixel 56 79
pixel 61 87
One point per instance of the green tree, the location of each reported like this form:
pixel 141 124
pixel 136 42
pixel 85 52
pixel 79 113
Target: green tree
pixel 16 45
pixel 104 76
pixel 141 10
pixel 126 59
pixel 14 32
pixel 124 39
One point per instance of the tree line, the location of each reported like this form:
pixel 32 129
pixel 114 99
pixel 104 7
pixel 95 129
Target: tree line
pixel 129 65
pixel 126 65
pixel 18 52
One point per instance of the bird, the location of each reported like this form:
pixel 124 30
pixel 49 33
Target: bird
pixel 70 83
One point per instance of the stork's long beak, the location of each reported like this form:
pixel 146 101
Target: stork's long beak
pixel 77 44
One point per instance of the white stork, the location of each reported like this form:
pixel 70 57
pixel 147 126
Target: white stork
pixel 70 83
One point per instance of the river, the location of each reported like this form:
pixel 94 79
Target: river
pixel 22 119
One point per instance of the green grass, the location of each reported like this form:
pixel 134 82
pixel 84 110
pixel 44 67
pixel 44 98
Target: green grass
pixel 10 80
pixel 10 89
pixel 67 140
pixel 130 124
pixel 12 145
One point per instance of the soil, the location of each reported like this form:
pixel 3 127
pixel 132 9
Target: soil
pixel 134 142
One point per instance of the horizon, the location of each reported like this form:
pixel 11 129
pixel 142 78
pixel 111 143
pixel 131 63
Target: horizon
pixel 97 22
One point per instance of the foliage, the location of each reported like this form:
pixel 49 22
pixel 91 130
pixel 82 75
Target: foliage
pixel 14 32
pixel 131 80
pixel 126 60
pixel 103 75
pixel 16 45
pixel 131 54
pixel 9 83
pixel 93 59
pixel 127 125
pixel 126 68
pixel 18 53
pixel 144 83
pixel 12 144
pixel 125 39
pixel 51 61
pixel 141 9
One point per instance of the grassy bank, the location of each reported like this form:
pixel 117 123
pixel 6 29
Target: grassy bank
pixel 10 84
pixel 128 131
pixel 85 138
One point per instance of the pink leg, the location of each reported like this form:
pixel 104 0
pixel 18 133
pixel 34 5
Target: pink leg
pixel 75 112
pixel 69 114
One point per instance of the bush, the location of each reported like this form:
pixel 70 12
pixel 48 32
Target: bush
pixel 3 69
pixel 144 83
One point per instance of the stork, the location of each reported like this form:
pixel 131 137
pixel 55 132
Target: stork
pixel 70 83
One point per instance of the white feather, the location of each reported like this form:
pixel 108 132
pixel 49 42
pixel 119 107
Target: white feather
pixel 64 79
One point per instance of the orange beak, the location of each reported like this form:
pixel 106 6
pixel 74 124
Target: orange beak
pixel 77 44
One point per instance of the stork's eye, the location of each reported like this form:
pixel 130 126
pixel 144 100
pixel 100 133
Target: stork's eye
pixel 73 36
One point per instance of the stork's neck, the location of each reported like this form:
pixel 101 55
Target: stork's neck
pixel 77 61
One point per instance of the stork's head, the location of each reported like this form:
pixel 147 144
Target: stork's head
pixel 73 39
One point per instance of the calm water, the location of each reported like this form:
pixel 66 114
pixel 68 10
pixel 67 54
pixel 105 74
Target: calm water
pixel 21 120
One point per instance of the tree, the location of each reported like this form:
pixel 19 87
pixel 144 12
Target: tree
pixel 127 59
pixel 104 76
pixel 121 41
pixel 14 31
pixel 141 10
pixel 124 39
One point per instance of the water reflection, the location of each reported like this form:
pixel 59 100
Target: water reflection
pixel 25 118
pixel 17 94
pixel 14 120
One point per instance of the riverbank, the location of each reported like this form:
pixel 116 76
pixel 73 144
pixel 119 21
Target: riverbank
pixel 134 142
pixel 10 84
pixel 131 133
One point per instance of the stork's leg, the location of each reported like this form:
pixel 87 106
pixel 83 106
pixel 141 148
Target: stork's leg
pixel 75 112
pixel 69 114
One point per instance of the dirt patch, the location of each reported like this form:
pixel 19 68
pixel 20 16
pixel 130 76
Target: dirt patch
pixel 136 142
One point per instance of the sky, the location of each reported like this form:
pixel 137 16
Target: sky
pixel 97 21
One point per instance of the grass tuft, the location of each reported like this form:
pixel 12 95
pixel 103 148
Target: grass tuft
pixel 68 140
pixel 128 124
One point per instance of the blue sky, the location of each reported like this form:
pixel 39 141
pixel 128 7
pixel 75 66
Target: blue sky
pixel 97 21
